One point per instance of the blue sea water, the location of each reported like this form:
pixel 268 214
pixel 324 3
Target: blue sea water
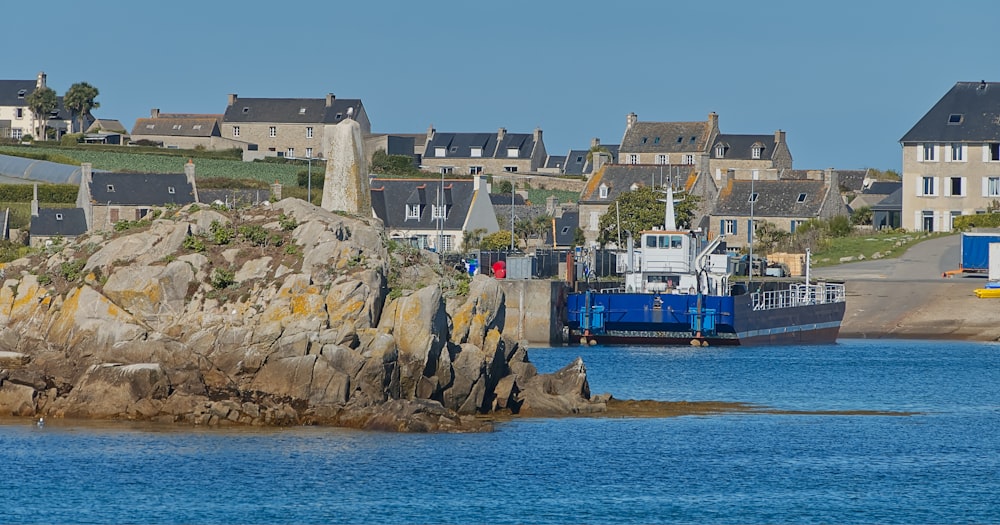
pixel 939 465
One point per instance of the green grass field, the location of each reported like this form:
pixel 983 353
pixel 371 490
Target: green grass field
pixel 867 244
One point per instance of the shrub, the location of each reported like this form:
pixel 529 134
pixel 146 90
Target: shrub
pixel 223 278
pixel 221 233
pixel 255 234
pixel 287 223
pixel 194 244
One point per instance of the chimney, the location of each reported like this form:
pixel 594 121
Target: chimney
pixel 477 182
pixel 501 133
pixel 538 135
pixel 329 100
pixel 40 80
pixel 189 175
pixel 779 137
pixel 430 133
pixel 154 113
pixel 599 159
pixel 551 203
pixel 595 142
pixel 34 202
pixel 276 191
pixel 630 120
pixel 87 172
pixel 232 99
pixel 713 120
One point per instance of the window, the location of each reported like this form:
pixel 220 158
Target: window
pixel 928 220
pixel 954 214
pixel 16 133
pixel 196 126
pixel 236 131
pixel 177 126
pixel 656 140
pixel 447 170
pixel 19 113
pixel 928 153
pixel 171 190
pixel 302 111
pixel 412 211
pixel 475 170
pixel 753 197
pixel 290 153
pixel 309 132
pixel 729 226
pixel 440 152
pixel 510 169
pixel 802 198
pixel 602 191
pixel 513 153
pixel 422 241
pixel 927 186
pixel 445 242
pixel 59 216
pixel 633 159
pixel 955 187
pixel 476 152
pixel 957 152
pixel 720 151
pixel 792 224
pixel 21 93
pixel 991 152
pixel 955 119
pixel 246 109
pixel 111 188
pixel 991 187
pixel 643 140
pixel 565 230
pixel 663 159
pixel 756 151
pixel 150 126
pixel 439 212
pixel 272 131
pixel 309 153
pixel 580 158
pixel 689 159
pixel 693 139
pixel 680 139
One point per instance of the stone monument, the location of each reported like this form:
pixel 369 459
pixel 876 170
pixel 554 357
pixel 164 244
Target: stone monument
pixel 345 187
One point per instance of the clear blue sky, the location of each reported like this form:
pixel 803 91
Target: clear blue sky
pixel 846 79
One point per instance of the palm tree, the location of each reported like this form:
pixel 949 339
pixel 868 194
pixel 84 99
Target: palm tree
pixel 42 102
pixel 79 99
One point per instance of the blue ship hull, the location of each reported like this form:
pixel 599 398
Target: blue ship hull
pixel 666 319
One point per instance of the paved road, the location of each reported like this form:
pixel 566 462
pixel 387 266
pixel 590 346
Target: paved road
pixel 927 260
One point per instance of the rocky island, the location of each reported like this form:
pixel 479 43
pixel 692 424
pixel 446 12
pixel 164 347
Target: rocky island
pixel 282 314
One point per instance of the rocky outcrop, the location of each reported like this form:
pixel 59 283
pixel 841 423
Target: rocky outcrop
pixel 285 314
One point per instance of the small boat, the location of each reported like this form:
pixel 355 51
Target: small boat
pixel 678 289
pixel 987 293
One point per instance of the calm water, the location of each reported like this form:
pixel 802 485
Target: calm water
pixel 940 466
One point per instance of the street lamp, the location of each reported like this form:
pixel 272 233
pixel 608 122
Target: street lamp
pixel 309 175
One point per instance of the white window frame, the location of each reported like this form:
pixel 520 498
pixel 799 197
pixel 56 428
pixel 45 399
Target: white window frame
pixel 272 131
pixel 927 153
pixel 309 153
pixel 476 152
pixel 922 186
pixel 439 212
pixel 19 113
pixel 309 132
pixel 16 133
pixel 236 131
pixel 949 187
pixel 689 160
pixel 991 186
pixel 510 169
pixel 290 152
pixel 729 226
pixel 446 243
pixel 720 152
pixel 475 170
pixel 633 158
pixel 756 151
pixel 958 153
pixel 440 152
pixel 513 153
pixel 412 211
pixel 602 191
pixel 663 159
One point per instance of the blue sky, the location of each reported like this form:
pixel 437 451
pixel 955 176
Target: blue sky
pixel 844 79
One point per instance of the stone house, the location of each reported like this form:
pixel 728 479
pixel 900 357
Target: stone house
pixel 182 131
pixel 433 213
pixel 747 153
pixel 662 143
pixel 17 119
pixel 50 225
pixel 951 158
pixel 107 198
pixel 786 202
pixel 483 153
pixel 288 127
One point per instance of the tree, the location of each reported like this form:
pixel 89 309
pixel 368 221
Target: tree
pixel 42 102
pixel 387 164
pixel 766 236
pixel 504 187
pixel 640 210
pixel 79 100
pixel 498 240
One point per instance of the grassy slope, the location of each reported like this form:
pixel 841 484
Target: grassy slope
pixel 867 244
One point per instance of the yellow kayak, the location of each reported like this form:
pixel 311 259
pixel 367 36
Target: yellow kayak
pixel 988 293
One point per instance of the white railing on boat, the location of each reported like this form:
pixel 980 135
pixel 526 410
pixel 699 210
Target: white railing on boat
pixel 799 295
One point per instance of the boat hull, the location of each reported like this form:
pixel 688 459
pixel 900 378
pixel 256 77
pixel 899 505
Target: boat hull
pixel 669 319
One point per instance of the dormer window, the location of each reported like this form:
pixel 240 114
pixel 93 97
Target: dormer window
pixel 196 126
pixel 177 126
pixel 439 212
pixel 602 191
pixel 21 93
pixel 111 188
pixel 440 152
pixel 302 111
pixel 753 197
pixel 756 151
pixel 802 198
pixel 513 152
pixel 171 190
pixel 476 152
pixel 720 151
pixel 413 211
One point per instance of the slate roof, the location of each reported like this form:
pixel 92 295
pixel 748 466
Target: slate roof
pixel 10 88
pixel 852 180
pixel 67 222
pixel 968 112
pixel 665 137
pixel 741 146
pixel 882 188
pixel 620 177
pixel 500 199
pixel 460 145
pixel 207 126
pixel 566 228
pixel 390 198
pixel 140 189
pixel 291 110
pixel 775 198
pixel 894 201
pixel 576 161
pixel 555 161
